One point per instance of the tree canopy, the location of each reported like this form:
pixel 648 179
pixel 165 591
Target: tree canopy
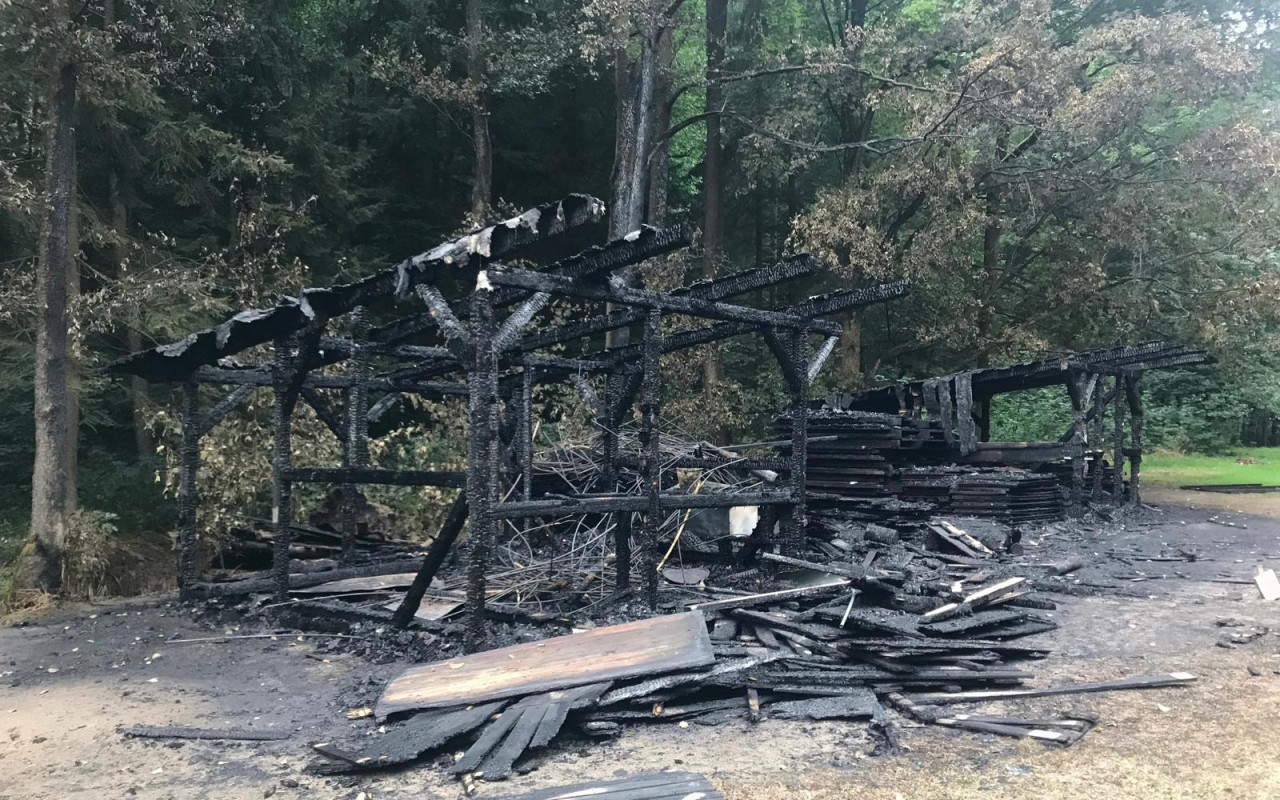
pixel 1051 174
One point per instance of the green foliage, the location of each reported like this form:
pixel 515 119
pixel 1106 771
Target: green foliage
pixel 87 554
pixel 1241 465
pixel 1192 412
pixel 1037 415
pixel 1117 160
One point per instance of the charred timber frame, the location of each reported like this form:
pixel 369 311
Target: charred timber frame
pixel 501 370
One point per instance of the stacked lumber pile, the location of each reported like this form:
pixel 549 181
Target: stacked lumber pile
pixel 858 459
pixel 1013 496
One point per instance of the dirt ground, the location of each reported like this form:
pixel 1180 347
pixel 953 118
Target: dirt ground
pixel 70 681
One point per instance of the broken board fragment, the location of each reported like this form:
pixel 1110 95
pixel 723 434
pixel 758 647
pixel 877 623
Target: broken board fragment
pixel 371 583
pixel 859 704
pixel 1138 682
pixel 1268 583
pixel 649 786
pixel 686 576
pixel 177 732
pixel 410 741
pixel 532 722
pixel 648 647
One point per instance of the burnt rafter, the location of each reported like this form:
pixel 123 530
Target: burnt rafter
pixel 813 307
pixel 536 281
pixel 717 289
pixel 248 328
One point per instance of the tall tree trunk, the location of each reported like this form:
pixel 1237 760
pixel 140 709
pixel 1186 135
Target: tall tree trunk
pixel 52 481
pixel 624 128
pixel 137 387
pixel 660 164
pixel 482 183
pixel 990 261
pixel 713 168
pixel 635 87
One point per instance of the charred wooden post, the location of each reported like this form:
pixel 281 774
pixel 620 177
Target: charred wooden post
pixel 355 442
pixel 482 461
pixel 610 418
pixel 188 492
pixel 1078 392
pixel 1133 393
pixel 966 429
pixel 281 460
pixel 650 420
pixel 793 540
pixel 982 410
pixel 436 554
pixel 1117 452
pixel 524 433
pixel 1097 437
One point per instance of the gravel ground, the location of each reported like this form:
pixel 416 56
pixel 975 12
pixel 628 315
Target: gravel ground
pixel 72 679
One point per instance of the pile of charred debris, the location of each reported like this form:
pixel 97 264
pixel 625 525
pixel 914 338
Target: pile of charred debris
pixel 642 575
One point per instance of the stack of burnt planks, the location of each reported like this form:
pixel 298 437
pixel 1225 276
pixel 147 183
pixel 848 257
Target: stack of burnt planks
pixel 1013 496
pixel 859 459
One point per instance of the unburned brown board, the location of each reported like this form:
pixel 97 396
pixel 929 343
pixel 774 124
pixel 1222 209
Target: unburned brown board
pixel 648 647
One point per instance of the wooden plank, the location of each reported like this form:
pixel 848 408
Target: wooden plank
pixel 649 786
pixel 770 597
pixel 371 583
pixel 648 647
pixel 970 600
pixel 497 765
pixel 561 704
pixel 179 732
pixel 410 741
pixel 431 609
pixel 1138 682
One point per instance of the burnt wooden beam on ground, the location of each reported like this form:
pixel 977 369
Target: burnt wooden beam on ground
pixel 649 786
pixel 1139 682
pixel 179 732
pixel 303 579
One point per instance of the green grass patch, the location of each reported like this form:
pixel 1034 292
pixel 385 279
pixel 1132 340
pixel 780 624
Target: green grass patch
pixel 1244 465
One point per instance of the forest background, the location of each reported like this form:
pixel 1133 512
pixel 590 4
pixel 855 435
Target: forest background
pixel 1052 175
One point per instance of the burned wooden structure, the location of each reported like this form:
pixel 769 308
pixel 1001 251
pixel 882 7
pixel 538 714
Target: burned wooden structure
pixel 946 420
pixel 478 346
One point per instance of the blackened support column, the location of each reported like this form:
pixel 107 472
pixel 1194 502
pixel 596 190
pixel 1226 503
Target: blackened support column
pixel 610 418
pixel 188 491
pixel 524 433
pixel 1117 452
pixel 1077 391
pixel 650 450
pixel 482 467
pixel 281 460
pixel 793 538
pixel 355 444
pixel 1133 393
